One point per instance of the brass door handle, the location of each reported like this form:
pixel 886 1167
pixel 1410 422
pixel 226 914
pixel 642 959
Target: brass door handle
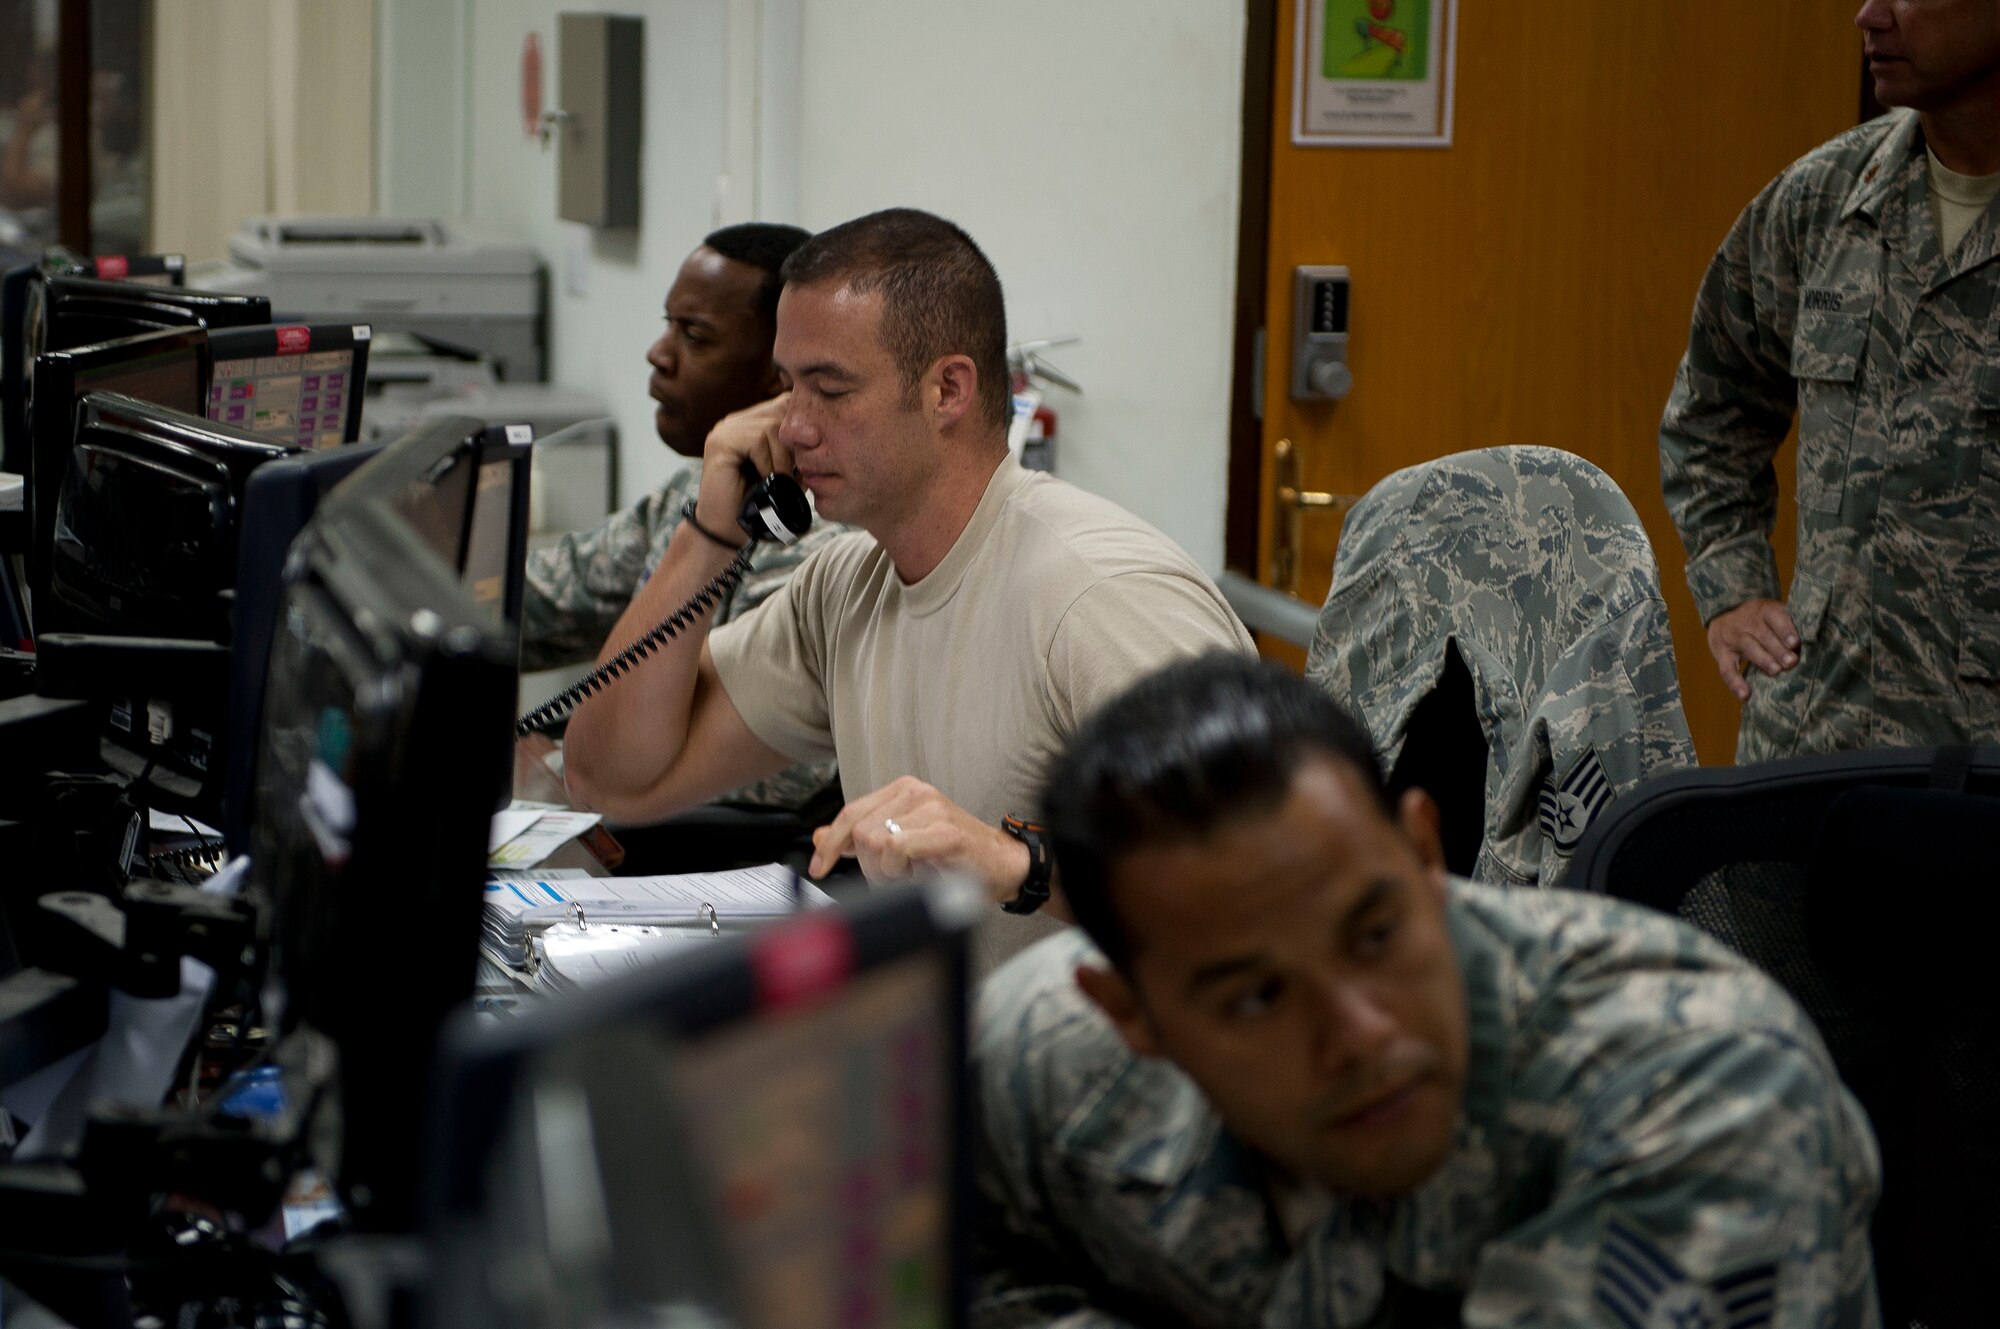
pixel 1315 500
pixel 1293 504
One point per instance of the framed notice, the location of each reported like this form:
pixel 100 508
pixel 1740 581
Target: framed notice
pixel 1374 73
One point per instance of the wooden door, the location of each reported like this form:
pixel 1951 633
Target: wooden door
pixel 1532 282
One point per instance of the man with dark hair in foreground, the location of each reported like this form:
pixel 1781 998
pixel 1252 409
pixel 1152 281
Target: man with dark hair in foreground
pixel 953 646
pixel 1305 1078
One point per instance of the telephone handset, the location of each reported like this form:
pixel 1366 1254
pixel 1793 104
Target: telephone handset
pixel 776 508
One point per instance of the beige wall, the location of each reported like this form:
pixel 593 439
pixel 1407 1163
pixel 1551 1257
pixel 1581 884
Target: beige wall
pixel 259 106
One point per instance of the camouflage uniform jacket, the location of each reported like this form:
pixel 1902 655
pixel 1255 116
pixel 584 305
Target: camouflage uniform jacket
pixel 1652 1130
pixel 578 587
pixel 1831 295
pixel 1532 563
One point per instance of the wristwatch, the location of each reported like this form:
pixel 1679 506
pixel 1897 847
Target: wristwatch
pixel 1034 891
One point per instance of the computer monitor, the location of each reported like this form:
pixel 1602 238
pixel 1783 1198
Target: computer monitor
pixel 386 743
pixel 279 500
pixel 299 383
pixel 139 269
pixel 463 485
pixel 81 311
pixel 770 1133
pixel 169 368
pixel 145 533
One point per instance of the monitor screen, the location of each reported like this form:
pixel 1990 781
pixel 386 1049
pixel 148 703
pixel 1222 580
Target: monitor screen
pixel 772 1129
pixel 298 383
pixel 463 487
pixel 488 543
pixel 825 1139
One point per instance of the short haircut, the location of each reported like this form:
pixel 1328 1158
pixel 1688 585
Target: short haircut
pixel 764 246
pixel 939 294
pixel 1202 742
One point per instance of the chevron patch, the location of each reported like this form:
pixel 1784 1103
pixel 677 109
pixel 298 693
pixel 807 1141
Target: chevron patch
pixel 1639 1287
pixel 1565 810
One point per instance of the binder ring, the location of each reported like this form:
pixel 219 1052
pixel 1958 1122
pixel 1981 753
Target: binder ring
pixel 576 916
pixel 714 923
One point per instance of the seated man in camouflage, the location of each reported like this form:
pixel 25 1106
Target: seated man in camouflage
pixel 712 359
pixel 1308 1079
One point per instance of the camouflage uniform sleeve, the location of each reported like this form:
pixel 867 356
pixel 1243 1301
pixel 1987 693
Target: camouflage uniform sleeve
pixel 578 587
pixel 1020 1276
pixel 1731 406
pixel 1725 1179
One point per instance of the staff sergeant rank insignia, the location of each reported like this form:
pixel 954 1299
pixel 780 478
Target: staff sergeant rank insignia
pixel 1642 1288
pixel 1566 810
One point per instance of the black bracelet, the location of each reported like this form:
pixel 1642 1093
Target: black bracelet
pixel 687 515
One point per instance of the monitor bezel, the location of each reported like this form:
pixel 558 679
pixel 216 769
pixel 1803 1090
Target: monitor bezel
pixel 51 434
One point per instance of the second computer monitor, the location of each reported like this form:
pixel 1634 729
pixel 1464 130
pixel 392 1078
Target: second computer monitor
pixel 463 486
pixel 167 368
pixel 300 384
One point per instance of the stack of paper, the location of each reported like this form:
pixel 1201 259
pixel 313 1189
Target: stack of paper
pixel 519 904
pixel 567 957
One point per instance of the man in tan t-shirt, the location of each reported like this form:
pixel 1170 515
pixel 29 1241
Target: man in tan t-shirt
pixel 985 612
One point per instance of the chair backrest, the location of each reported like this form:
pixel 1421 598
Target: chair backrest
pixel 1853 879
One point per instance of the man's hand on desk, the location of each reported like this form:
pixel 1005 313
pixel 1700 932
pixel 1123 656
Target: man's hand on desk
pixel 907 826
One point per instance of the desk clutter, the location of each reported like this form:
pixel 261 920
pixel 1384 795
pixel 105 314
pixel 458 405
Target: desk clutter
pixel 521 907
pixel 262 635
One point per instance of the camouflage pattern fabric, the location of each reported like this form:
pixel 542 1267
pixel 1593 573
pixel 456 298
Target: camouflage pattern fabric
pixel 578 587
pixel 1831 297
pixel 1653 1135
pixel 1532 563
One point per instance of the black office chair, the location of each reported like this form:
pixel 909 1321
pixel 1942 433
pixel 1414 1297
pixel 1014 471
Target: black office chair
pixel 1854 880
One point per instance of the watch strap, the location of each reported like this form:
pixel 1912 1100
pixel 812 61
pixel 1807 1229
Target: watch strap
pixel 1034 892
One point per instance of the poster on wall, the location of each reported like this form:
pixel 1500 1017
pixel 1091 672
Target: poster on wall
pixel 1374 73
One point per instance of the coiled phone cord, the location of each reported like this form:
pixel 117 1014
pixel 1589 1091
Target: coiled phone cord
pixel 558 707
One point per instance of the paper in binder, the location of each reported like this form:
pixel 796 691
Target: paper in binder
pixel 519 904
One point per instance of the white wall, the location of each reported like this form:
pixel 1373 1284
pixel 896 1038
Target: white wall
pixel 422 149
pixel 599 338
pixel 1091 147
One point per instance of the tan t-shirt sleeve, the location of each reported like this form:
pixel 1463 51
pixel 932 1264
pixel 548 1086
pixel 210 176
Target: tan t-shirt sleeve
pixel 1125 627
pixel 769 661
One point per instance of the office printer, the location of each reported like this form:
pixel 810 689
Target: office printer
pixel 440 278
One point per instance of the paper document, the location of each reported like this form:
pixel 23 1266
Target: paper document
pixel 535 838
pixel 567 957
pixel 519 903
pixel 508 824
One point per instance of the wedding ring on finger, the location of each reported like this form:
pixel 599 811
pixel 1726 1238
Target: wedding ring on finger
pixel 890 822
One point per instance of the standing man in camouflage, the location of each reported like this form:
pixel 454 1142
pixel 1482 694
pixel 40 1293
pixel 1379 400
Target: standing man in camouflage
pixel 1862 288
pixel 1305 1079
pixel 712 359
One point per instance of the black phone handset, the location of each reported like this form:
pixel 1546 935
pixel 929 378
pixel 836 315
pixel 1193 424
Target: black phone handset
pixel 775 509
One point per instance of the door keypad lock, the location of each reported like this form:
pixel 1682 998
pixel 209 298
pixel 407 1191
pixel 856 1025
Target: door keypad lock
pixel 1319 334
